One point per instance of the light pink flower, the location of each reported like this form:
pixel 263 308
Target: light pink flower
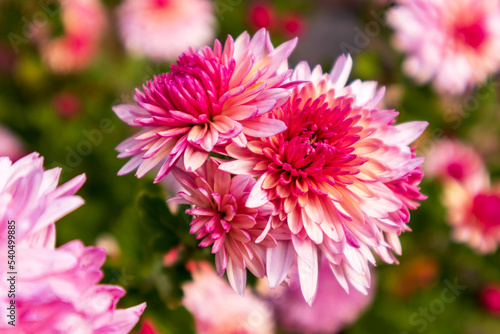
pixel 217 309
pixel 163 29
pixel 210 98
pixel 450 159
pixel 57 292
pixel 332 310
pixel 10 145
pixel 453 43
pixel 331 177
pixel 238 235
pixel 84 22
pixel 474 213
pixel 29 195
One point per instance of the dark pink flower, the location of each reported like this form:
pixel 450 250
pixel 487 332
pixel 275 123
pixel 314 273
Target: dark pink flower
pixel 209 99
pixel 332 177
pixel 237 234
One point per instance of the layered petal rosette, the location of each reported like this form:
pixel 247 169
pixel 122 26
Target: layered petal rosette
pixel 30 196
pixel 237 234
pixel 57 292
pixel 453 43
pixel 210 98
pixel 332 176
pixel 56 289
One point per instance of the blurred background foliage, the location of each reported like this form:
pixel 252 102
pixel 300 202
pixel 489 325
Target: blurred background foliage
pixel 68 119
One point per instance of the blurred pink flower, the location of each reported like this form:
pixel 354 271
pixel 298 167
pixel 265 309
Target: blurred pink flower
pixel 57 292
pixel 210 98
pixel 56 288
pixel 332 310
pixel 238 235
pixel 490 298
pixel 29 195
pixel 450 159
pixel 474 213
pixel 217 309
pixel 84 23
pixel 453 43
pixel 328 177
pixel 163 29
pixel 262 15
pixel 10 145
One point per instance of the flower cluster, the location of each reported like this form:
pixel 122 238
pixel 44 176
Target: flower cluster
pixel 57 288
pixel 472 203
pixel 306 165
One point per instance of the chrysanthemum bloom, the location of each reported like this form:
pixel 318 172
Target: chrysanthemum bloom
pixel 454 44
pixel 57 292
pixel 84 22
pixel 450 159
pixel 331 177
pixel 332 310
pixel 10 144
pixel 56 288
pixel 209 99
pixel 29 195
pixel 163 29
pixel 238 235
pixel 217 309
pixel 474 213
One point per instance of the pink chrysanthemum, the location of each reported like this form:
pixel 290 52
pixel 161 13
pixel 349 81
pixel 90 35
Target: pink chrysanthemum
pixel 218 310
pixel 238 234
pixel 30 196
pixel 209 98
pixel 84 22
pixel 56 288
pixel 453 43
pixel 163 29
pixel 332 310
pixel 57 292
pixel 450 160
pixel 474 213
pixel 10 145
pixel 329 177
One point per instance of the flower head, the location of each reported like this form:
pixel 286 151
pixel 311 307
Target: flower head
pixel 218 310
pixel 29 195
pixel 209 99
pixel 163 29
pixel 450 160
pixel 474 213
pixel 57 292
pixel 329 177
pixel 237 234
pixel 455 44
